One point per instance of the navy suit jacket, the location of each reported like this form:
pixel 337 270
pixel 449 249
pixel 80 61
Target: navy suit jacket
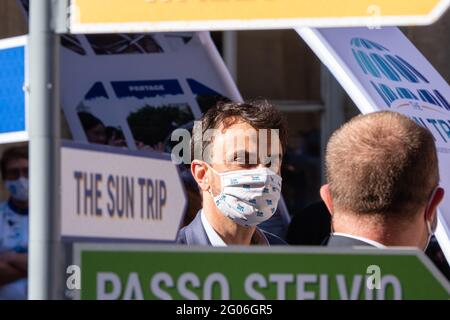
pixel 341 241
pixel 194 234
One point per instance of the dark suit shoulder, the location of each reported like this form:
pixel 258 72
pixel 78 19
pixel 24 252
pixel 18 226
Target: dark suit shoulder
pixel 273 239
pixel 193 233
pixel 343 241
pixel 181 237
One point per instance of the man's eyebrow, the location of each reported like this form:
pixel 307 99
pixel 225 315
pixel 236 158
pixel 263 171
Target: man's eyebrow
pixel 242 153
pixel 269 155
pixel 245 152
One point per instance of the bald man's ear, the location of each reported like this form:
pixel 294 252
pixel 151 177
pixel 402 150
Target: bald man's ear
pixel 199 171
pixel 326 197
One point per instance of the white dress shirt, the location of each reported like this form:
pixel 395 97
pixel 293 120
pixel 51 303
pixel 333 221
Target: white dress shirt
pixel 217 241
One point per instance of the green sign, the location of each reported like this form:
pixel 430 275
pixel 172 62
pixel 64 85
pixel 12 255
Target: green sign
pixel 116 271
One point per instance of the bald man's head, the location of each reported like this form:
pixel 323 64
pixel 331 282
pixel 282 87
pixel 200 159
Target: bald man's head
pixel 381 163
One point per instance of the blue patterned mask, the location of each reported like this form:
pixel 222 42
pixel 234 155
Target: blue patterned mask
pixel 248 197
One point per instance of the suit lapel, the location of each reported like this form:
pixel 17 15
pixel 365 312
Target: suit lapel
pixel 195 233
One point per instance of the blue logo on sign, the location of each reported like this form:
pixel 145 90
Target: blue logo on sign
pixel 379 63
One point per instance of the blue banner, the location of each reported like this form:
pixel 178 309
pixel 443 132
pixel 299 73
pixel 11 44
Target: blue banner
pixel 12 96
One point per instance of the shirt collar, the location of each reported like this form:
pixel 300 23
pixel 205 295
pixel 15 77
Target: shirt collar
pixel 258 237
pixel 214 238
pixel 368 241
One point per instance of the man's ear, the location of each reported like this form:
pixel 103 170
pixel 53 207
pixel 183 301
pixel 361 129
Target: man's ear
pixel 326 197
pixel 199 171
pixel 434 203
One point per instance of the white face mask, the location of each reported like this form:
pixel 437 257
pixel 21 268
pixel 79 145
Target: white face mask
pixel 248 197
pixel 18 188
pixel 430 227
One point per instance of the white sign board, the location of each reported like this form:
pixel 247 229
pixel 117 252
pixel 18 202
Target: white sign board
pixel 103 16
pixel 382 70
pixel 122 195
pixel 134 90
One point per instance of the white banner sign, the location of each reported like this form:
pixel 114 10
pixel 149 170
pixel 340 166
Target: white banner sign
pixel 121 195
pixel 134 90
pixel 382 70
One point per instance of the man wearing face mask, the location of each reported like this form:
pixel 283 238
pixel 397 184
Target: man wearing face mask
pixel 14 225
pixel 237 151
pixel 382 182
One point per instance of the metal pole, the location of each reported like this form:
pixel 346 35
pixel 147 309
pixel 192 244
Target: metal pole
pixel 44 241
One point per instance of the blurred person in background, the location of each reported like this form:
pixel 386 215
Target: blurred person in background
pixel 114 137
pixel 14 225
pixel 310 226
pixel 93 127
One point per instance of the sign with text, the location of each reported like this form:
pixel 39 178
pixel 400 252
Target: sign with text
pixel 13 97
pixel 116 271
pixel 382 70
pixel 121 195
pixel 135 90
pixel 103 16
